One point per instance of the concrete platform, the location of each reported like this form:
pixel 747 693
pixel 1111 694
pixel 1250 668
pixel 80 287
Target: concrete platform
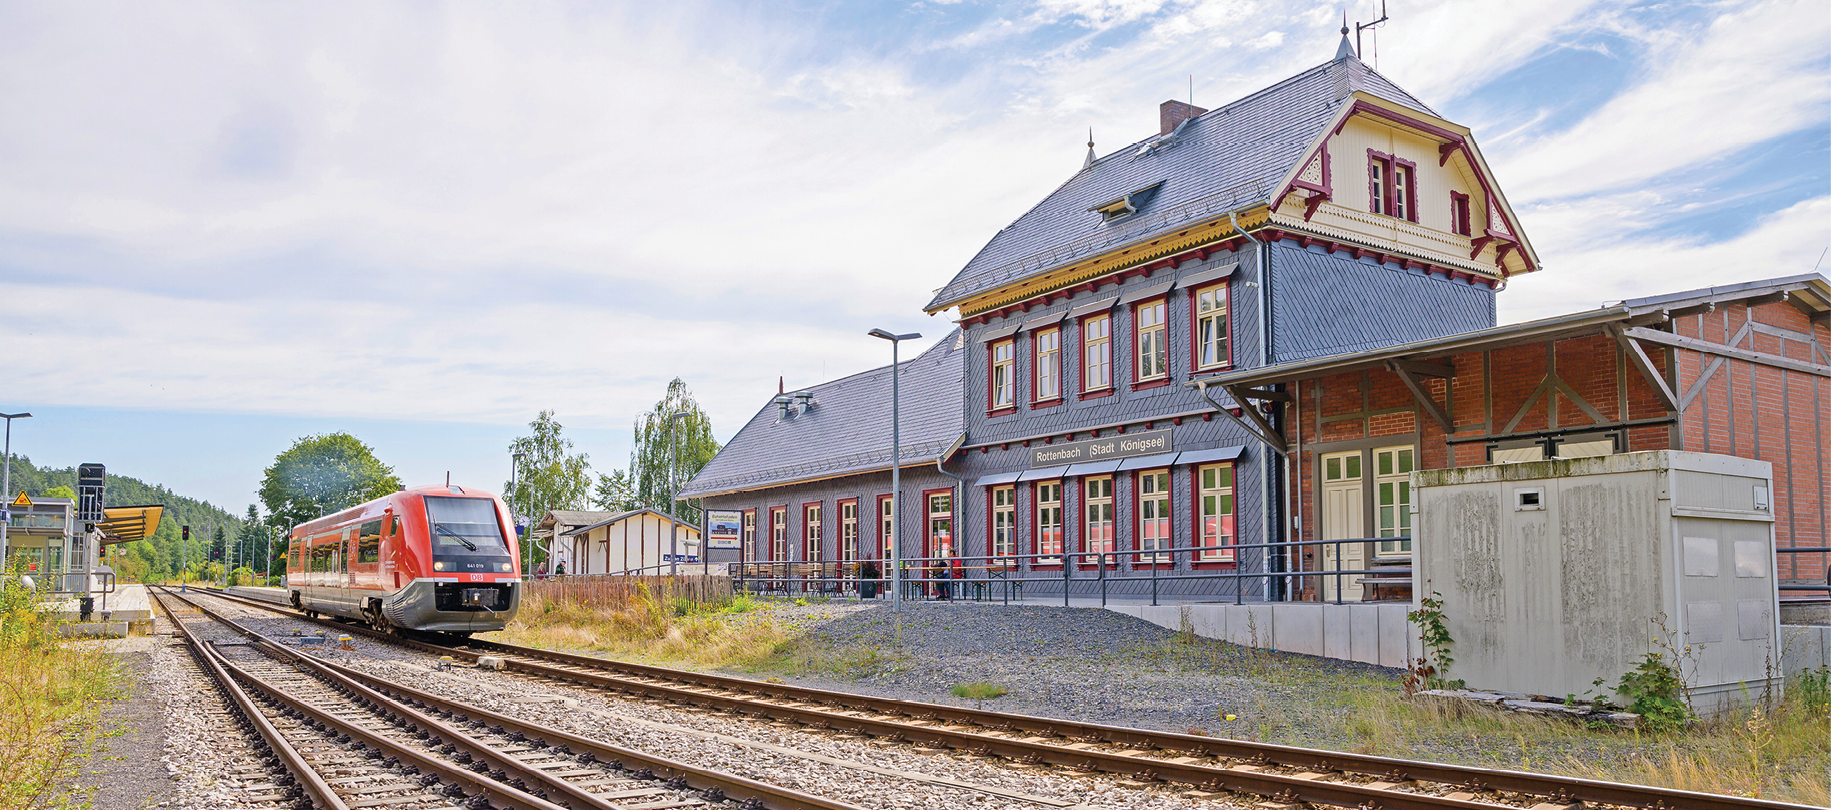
pixel 274 595
pixel 94 629
pixel 128 604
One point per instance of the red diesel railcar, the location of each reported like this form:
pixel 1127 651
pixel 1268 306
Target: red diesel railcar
pixel 439 558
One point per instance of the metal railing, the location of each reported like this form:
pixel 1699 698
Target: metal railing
pixel 942 577
pixel 1826 588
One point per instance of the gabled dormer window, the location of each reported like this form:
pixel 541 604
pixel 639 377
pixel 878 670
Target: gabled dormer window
pixel 1113 210
pixel 1459 214
pixel 1392 187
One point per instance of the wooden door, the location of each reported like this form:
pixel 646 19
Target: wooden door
pixel 1344 509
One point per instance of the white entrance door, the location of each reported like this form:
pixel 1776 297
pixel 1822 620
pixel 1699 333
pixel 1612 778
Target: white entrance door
pixel 1343 517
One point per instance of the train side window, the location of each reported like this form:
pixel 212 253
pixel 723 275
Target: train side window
pixel 368 542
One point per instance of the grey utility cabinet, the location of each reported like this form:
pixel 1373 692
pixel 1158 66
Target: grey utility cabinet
pixel 1555 573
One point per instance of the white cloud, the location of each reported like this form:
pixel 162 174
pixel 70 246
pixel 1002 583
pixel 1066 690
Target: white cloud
pixel 1591 273
pixel 1755 72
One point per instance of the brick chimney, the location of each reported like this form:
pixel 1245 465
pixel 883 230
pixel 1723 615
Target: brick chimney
pixel 1172 113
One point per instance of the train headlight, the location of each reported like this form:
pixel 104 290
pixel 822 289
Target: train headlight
pixel 506 567
pixel 438 565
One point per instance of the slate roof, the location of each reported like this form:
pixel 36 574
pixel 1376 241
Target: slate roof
pixel 1225 160
pixel 618 517
pixel 847 430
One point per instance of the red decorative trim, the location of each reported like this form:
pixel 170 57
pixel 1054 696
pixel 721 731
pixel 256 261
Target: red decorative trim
pixel 1150 384
pixel 1138 341
pixel 1461 215
pixel 1036 526
pixel 1005 411
pixel 1036 388
pixel 1083 563
pixel 754 525
pixel 1047 403
pixel 1177 421
pixel 769 538
pixel 1453 273
pixel 805 508
pixel 991 377
pixel 839 537
pixel 953 522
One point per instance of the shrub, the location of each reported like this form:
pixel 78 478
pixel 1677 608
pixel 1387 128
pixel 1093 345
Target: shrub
pixel 1653 690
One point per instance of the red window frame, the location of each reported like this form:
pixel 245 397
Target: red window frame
pixel 1195 516
pixel 1381 189
pixel 992 408
pixel 773 511
pixel 1036 387
pixel 883 540
pixel 1195 329
pixel 1462 221
pixel 818 544
pixel 1081 356
pixel 991 523
pixel 953 523
pixel 1169 485
pixel 1036 533
pixel 1139 383
pixel 858 519
pixel 747 546
pixel 1086 536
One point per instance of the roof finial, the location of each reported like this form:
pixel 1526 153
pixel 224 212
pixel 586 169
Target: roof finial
pixel 1090 149
pixel 1346 49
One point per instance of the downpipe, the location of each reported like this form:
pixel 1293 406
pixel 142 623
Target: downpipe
pixel 1272 477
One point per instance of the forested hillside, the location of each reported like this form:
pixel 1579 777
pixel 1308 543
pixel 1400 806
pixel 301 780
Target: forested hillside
pixel 153 559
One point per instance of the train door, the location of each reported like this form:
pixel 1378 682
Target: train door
pixel 1343 509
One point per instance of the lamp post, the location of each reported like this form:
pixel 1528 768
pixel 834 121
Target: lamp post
pixel 896 469
pixel 674 494
pixel 6 480
pixel 515 495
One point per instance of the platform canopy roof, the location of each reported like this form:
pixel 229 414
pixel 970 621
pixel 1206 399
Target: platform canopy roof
pixel 125 524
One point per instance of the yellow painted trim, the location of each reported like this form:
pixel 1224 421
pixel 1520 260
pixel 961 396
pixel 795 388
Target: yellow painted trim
pixel 1119 259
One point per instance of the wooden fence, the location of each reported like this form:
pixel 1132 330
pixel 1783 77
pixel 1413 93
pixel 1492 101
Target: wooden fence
pixel 616 591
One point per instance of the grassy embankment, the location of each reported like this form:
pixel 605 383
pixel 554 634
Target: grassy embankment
pixel 1779 749
pixel 51 699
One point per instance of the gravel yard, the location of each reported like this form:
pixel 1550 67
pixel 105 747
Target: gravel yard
pixel 1075 663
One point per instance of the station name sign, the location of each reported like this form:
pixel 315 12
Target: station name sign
pixel 1122 446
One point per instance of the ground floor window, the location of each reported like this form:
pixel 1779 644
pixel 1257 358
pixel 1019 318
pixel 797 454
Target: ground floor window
pixel 1099 535
pixel 749 532
pixel 778 534
pixel 1004 521
pixel 848 531
pixel 1049 521
pixel 940 524
pixel 812 538
pixel 1214 497
pixel 1392 468
pixel 886 525
pixel 1154 516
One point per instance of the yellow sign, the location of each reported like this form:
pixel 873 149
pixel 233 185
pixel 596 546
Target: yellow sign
pixel 22 500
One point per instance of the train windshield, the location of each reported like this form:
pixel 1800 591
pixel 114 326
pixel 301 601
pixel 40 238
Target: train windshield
pixel 466 535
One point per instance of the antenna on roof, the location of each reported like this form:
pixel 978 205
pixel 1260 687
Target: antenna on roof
pixel 1359 27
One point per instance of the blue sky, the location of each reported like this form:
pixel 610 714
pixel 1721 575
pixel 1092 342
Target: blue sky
pixel 226 225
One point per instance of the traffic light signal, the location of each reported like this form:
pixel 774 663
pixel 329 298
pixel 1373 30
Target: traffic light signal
pixel 185 534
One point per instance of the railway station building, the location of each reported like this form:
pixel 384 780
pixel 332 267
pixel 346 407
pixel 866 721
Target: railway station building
pixel 1209 359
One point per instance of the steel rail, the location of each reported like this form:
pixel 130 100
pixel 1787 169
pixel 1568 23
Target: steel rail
pixel 307 780
pixel 941 725
pixel 451 774
pixel 707 781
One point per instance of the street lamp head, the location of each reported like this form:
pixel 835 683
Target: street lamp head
pixel 15 416
pixel 880 333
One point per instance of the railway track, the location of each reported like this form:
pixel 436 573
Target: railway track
pixel 349 740
pixel 1286 775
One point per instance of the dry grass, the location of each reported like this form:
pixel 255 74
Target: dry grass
pixel 1780 751
pixel 732 632
pixel 51 701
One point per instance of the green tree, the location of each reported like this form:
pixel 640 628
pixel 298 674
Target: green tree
pixel 615 492
pixel 670 450
pixel 548 475
pixel 319 475
pixel 59 491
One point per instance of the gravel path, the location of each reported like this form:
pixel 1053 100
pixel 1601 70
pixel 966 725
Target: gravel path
pixel 1075 663
pixel 125 770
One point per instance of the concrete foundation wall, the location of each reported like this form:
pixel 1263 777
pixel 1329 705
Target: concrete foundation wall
pixel 1804 648
pixel 1375 634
